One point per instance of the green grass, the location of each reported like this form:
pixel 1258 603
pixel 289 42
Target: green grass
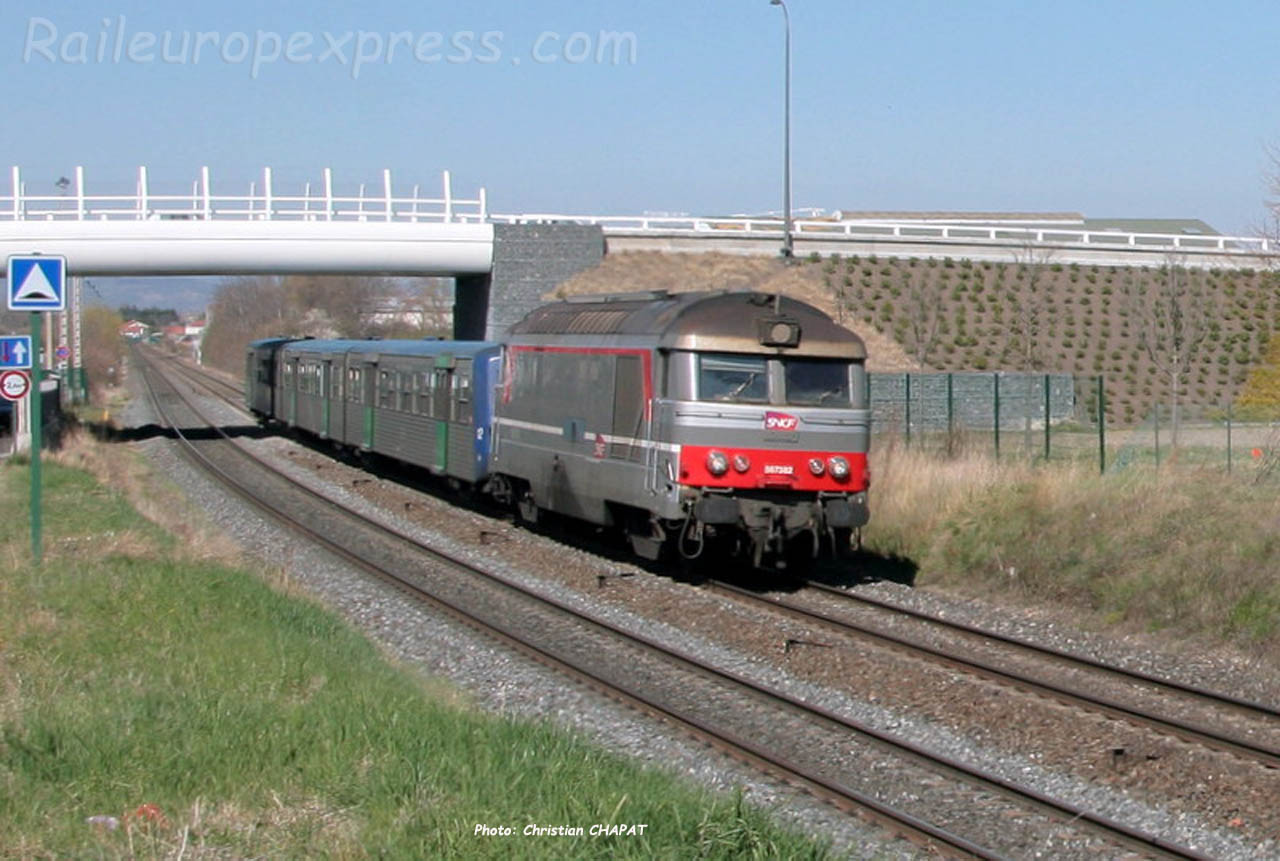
pixel 257 724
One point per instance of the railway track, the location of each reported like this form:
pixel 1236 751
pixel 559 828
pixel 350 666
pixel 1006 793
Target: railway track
pixel 227 391
pixel 1082 689
pixel 745 742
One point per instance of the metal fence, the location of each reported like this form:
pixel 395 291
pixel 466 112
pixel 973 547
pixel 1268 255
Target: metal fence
pixel 1213 439
pixel 1054 417
pixel 1006 414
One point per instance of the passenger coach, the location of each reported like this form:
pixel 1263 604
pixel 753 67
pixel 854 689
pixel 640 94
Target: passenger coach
pixel 422 402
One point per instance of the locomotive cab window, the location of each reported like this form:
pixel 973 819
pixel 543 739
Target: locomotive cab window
pixel 736 379
pixel 817 383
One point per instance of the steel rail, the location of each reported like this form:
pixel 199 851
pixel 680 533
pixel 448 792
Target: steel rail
pixel 1262 754
pixel 1216 697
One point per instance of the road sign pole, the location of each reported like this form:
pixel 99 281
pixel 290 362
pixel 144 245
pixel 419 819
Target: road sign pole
pixel 36 415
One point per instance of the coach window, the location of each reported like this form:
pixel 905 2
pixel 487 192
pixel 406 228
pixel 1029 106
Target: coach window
pixel 462 396
pixel 732 378
pixel 386 390
pixel 355 391
pixel 409 403
pixel 817 383
pixel 442 389
pixel 425 390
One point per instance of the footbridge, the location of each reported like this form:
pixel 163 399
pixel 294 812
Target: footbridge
pixel 502 266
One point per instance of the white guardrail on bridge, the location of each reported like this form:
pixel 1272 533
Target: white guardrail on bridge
pixel 262 203
pixel 996 234
pixel 320 203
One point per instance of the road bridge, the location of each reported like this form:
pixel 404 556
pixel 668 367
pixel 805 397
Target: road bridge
pixel 504 263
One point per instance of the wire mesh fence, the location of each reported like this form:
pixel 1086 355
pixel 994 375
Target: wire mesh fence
pixel 1055 417
pixel 1004 414
pixel 1198 438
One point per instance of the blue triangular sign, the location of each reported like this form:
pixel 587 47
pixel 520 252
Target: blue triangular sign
pixel 37 283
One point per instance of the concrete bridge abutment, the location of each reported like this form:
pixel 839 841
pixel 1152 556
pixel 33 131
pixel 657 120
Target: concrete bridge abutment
pixel 529 261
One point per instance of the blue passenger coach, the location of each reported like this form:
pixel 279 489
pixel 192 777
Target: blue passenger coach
pixel 428 403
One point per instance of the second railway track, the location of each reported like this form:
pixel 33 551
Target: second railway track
pixel 1140 698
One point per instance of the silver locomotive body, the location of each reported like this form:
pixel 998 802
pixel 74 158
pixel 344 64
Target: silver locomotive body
pixel 696 422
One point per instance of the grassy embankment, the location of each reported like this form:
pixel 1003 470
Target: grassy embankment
pixel 1190 552
pixel 146 678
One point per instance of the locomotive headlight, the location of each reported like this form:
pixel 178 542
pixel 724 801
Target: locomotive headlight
pixel 741 462
pixel 839 468
pixel 717 463
pixel 816 466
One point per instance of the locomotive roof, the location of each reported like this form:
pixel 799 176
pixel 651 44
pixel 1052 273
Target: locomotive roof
pixel 722 321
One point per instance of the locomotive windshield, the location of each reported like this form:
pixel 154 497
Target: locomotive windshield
pixel 796 381
pixel 725 377
pixel 816 383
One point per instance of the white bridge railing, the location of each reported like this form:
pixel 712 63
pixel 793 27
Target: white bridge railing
pixel 907 231
pixel 262 203
pixel 318 202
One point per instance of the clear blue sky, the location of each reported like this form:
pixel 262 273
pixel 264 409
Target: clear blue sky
pixel 1146 108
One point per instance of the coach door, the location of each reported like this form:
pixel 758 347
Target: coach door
pixel 370 393
pixel 326 397
pixel 442 384
pixel 291 392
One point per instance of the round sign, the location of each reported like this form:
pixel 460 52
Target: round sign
pixel 63 351
pixel 14 385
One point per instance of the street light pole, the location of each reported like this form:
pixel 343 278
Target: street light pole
pixel 787 251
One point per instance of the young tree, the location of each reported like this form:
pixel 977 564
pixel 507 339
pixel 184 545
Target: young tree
pixel 923 308
pixel 103 349
pixel 1271 227
pixel 1172 319
pixel 1025 304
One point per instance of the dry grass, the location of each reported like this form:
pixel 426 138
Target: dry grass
pixel 915 494
pixel 1187 552
pixel 632 271
pixel 160 502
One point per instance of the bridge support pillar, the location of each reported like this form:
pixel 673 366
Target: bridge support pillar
pixel 529 261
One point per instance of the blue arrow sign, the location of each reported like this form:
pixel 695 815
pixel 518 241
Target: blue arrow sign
pixel 15 351
pixel 37 283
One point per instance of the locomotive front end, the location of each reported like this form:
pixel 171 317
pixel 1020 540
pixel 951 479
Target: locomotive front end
pixel 768 411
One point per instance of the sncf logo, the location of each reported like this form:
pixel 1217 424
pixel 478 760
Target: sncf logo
pixel 780 421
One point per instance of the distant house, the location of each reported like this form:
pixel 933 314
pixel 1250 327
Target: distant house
pixel 134 330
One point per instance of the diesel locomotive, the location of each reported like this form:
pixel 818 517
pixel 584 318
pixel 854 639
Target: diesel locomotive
pixel 702 425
